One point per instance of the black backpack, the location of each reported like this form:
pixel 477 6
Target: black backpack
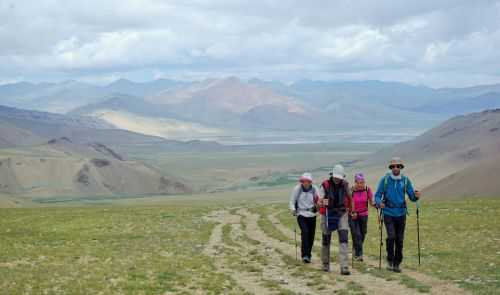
pixel 335 201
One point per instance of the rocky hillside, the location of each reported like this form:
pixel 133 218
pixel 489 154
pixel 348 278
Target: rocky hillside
pixel 62 167
pixel 452 159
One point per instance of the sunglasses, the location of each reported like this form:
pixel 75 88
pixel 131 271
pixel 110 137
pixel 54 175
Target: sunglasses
pixel 396 166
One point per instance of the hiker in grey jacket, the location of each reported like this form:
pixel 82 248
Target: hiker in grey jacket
pixel 335 207
pixel 303 204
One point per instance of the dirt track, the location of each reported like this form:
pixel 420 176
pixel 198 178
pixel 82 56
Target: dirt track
pixel 261 264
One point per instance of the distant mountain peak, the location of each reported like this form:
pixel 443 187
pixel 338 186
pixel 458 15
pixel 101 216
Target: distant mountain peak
pixel 59 140
pixel 120 82
pixel 492 111
pixel 230 81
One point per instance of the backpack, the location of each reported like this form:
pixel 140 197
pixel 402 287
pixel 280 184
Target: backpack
pixel 313 191
pixel 367 197
pixel 405 190
pixel 333 201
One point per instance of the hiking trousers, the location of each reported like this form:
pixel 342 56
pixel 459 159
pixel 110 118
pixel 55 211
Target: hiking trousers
pixel 359 227
pixel 307 231
pixel 343 233
pixel 395 227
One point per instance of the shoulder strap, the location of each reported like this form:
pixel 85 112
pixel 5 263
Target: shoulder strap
pixel 297 197
pixel 367 196
pixel 301 190
pixel 344 189
pixel 405 184
pixel 405 192
pixel 403 178
pixel 325 184
pixel 386 180
pixel 352 196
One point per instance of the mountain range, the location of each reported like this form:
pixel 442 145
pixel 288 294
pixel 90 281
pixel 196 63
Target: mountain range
pixel 69 137
pixel 47 155
pixel 175 109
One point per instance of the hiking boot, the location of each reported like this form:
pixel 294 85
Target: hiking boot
pixel 306 259
pixel 360 258
pixel 390 267
pixel 326 267
pixel 396 268
pixel 345 271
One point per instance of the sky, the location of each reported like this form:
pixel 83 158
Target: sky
pixel 437 43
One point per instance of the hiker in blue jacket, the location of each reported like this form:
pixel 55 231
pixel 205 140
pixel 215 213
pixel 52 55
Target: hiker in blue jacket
pixel 390 198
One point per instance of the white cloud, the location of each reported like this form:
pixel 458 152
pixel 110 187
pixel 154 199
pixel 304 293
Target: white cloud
pixel 353 42
pixel 435 51
pixel 284 40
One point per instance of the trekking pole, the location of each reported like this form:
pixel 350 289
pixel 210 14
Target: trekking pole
pixel 326 219
pixel 352 236
pixel 352 249
pixel 380 224
pixel 352 257
pixel 295 237
pixel 380 214
pixel 418 231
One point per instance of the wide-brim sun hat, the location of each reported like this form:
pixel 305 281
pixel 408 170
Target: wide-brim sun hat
pixel 396 161
pixel 306 177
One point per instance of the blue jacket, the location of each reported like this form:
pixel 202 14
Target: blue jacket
pixel 394 199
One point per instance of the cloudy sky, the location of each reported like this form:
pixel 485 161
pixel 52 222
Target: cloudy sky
pixel 432 42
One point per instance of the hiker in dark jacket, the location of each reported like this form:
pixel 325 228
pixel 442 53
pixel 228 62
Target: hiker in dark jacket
pixel 390 197
pixel 362 198
pixel 303 204
pixel 335 206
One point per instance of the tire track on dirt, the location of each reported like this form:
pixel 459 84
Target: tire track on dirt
pixel 268 273
pixel 275 269
pixel 371 284
pixel 214 249
pixel 438 287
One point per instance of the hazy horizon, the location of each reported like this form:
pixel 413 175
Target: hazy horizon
pixel 287 83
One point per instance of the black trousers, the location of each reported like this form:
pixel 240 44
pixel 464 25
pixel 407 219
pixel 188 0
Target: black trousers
pixel 395 227
pixel 359 227
pixel 307 231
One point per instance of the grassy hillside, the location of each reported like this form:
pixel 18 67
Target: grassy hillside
pixel 459 242
pixel 231 243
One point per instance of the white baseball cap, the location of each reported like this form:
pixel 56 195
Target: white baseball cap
pixel 338 172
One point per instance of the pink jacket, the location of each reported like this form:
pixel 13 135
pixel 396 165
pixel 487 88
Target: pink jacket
pixel 362 199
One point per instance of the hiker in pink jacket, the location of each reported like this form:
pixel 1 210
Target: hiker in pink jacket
pixel 362 197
